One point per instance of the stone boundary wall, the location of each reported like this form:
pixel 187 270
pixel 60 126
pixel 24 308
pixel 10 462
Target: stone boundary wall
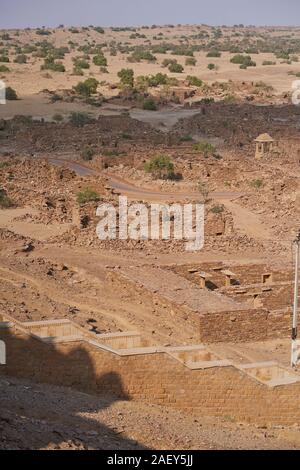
pixel 153 377
pixel 245 325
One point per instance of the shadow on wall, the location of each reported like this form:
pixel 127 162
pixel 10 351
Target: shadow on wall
pixel 68 365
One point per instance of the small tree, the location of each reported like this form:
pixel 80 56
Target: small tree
pixel 87 88
pixel 160 167
pixel 126 77
pixel 176 68
pixel 87 195
pixel 11 94
pixel 100 60
pixel 202 188
pixel 205 147
pixel 80 119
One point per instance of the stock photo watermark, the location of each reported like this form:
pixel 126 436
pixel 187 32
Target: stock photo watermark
pixel 2 353
pixel 139 221
pixel 2 92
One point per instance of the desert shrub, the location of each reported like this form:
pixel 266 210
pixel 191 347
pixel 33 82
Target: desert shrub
pixel 4 58
pixel 126 77
pixel 4 69
pixel 282 55
pixel 149 104
pixel 244 61
pixel 203 189
pixel 87 195
pixel 268 62
pixel 257 184
pixel 140 54
pixel 99 29
pixel 160 167
pixel 211 66
pixel 176 68
pixel 205 147
pixel 80 119
pixel 213 53
pixel 43 32
pixel 194 81
pixel 81 63
pixel 219 209
pixel 190 61
pixel 50 64
pixel 21 59
pixel 87 153
pixel 167 62
pixel 5 201
pixel 100 60
pixel 78 72
pixel 87 88
pixel 186 138
pixel 11 94
pixel 57 117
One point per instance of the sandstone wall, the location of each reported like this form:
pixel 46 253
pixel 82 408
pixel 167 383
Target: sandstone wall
pixel 154 378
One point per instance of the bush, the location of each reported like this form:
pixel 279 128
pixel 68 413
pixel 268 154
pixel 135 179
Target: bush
pixel 257 184
pixel 99 29
pixel 21 59
pixel 87 88
pixel 213 53
pixel 176 68
pixel 50 64
pixel 5 201
pixel 100 60
pixel 81 63
pixel 205 147
pixel 57 117
pixel 87 153
pixel 217 209
pixel 11 94
pixel 79 119
pixel 150 104
pixel 268 62
pixel 244 60
pixel 88 195
pixel 160 167
pixel 126 77
pixel 4 58
pixel 194 81
pixel 139 55
pixel 190 61
pixel 211 66
pixel 4 69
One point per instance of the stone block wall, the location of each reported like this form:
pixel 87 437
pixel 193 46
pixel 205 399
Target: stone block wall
pixel 153 378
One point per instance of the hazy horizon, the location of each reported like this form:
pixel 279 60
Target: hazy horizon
pixel 118 13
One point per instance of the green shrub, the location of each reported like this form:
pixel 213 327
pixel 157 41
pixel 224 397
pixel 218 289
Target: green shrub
pixel 87 88
pixel 257 184
pixel 81 63
pixel 194 81
pixel 176 68
pixel 100 60
pixel 5 201
pixel 160 167
pixel 87 153
pixel 211 66
pixel 190 61
pixel 80 119
pixel 11 94
pixel 57 117
pixel 149 104
pixel 244 60
pixel 88 195
pixel 21 59
pixel 4 69
pixel 205 147
pixel 219 209
pixel 50 64
pixel 268 62
pixel 126 77
pixel 213 53
pixel 99 29
pixel 4 58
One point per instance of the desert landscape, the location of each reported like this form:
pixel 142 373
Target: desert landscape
pixel 102 334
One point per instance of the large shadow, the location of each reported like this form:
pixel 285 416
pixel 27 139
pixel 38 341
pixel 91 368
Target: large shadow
pixel 65 411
